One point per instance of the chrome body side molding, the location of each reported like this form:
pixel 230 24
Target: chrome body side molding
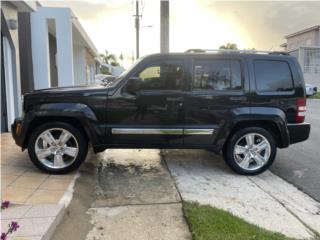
pixel 162 131
pixel 149 131
pixel 190 131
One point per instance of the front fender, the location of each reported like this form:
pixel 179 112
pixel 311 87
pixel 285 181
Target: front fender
pixel 78 111
pixel 254 115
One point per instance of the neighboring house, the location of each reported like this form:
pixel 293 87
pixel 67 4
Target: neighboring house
pixel 305 46
pixel 47 47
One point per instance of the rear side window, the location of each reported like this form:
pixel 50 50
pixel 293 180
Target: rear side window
pixel 273 76
pixel 210 74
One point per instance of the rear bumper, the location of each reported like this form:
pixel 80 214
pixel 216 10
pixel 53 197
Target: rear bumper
pixel 17 131
pixel 299 132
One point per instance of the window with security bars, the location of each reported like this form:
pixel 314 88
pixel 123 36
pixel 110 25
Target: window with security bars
pixel 312 60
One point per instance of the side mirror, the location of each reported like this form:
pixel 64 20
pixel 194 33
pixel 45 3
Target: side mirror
pixel 133 85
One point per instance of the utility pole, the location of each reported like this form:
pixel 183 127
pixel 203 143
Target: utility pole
pixel 164 26
pixel 137 24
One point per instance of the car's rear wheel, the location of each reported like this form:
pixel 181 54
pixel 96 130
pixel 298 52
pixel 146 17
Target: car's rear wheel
pixel 250 151
pixel 57 147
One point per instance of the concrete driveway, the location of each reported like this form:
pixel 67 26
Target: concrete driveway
pixel 300 163
pixel 265 200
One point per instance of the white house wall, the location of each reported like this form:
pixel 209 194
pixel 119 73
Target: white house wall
pixel 79 65
pixel 9 77
pixel 40 46
pixel 10 12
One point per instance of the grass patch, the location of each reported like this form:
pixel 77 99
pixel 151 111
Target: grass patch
pixel 208 223
pixel 316 96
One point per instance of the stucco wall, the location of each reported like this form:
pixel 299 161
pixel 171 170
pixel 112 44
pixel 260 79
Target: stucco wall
pixel 79 65
pixel 40 46
pixel 90 66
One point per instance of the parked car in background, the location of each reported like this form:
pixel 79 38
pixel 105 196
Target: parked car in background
pixel 103 78
pixel 242 105
pixel 311 90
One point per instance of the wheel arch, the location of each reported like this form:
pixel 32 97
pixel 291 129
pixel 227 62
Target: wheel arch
pixel 270 126
pixel 271 119
pixel 38 121
pixel 76 114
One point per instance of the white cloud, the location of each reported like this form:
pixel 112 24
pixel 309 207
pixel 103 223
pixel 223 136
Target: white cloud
pixel 193 23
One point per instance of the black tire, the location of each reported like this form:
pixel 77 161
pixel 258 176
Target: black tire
pixel 228 152
pixel 79 136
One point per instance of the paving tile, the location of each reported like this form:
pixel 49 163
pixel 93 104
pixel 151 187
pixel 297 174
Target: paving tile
pixel 17 195
pixel 45 196
pixel 34 172
pixel 26 238
pixel 28 182
pixel 44 210
pixel 30 227
pixel 7 180
pixel 15 211
pixel 55 184
pixel 13 170
pixel 23 162
pixel 69 176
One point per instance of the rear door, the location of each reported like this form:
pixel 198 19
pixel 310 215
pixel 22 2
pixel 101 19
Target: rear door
pixel 216 88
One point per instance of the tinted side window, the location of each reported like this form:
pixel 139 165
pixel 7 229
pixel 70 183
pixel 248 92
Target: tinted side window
pixel 273 76
pixel 217 75
pixel 165 75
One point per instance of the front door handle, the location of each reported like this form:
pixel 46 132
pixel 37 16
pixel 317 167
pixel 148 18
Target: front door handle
pixel 241 98
pixel 174 99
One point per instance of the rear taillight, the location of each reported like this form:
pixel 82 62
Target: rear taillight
pixel 301 110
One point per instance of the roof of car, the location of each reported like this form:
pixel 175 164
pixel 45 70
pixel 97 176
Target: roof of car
pixel 230 53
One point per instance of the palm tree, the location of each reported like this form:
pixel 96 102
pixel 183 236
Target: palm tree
pixel 109 58
pixel 231 46
pixel 121 58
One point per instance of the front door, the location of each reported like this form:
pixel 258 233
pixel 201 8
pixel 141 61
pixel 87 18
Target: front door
pixel 153 114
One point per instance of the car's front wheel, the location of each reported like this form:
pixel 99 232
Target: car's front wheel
pixel 250 151
pixel 57 147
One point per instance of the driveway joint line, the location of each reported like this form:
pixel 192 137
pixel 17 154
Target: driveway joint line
pixel 163 158
pixel 315 233
pixel 139 204
pixel 291 181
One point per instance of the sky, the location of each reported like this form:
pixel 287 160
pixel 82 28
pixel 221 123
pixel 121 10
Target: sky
pixel 193 23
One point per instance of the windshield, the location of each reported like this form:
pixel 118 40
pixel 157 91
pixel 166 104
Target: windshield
pixel 115 81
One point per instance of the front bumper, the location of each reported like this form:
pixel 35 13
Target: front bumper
pixel 17 131
pixel 299 132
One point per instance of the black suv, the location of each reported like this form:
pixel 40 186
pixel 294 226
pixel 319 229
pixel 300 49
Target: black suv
pixel 242 104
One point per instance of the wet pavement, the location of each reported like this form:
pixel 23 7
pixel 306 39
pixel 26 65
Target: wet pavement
pixel 126 177
pixel 125 194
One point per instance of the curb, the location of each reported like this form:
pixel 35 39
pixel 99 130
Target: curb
pixel 35 221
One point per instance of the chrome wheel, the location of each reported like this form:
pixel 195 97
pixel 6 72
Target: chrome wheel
pixel 252 151
pixel 56 148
